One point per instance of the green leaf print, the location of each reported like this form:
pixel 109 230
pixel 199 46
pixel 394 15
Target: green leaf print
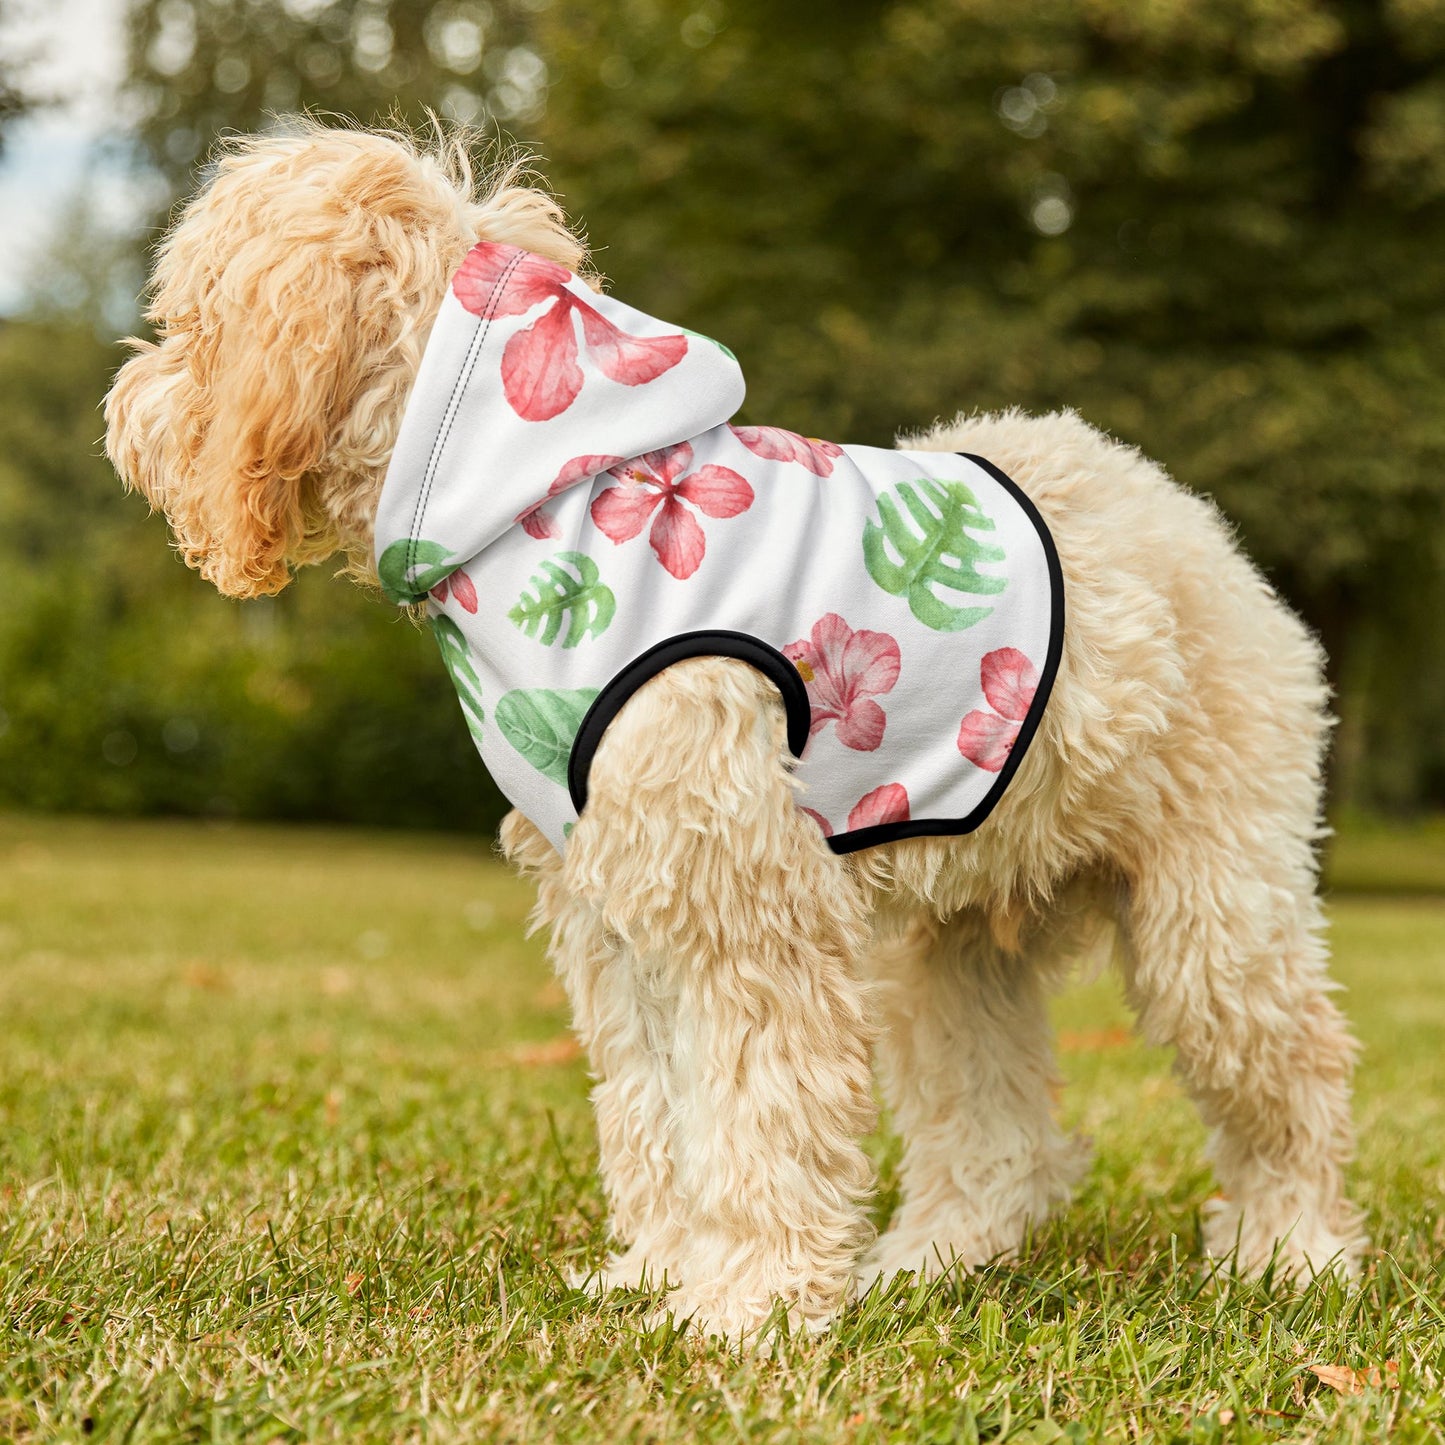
pixel 411 567
pixel 464 678
pixel 541 723
pixel 702 336
pixel 579 597
pixel 934 550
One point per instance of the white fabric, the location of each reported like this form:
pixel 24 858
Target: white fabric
pixel 547 420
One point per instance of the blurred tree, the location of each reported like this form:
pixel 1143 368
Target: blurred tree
pixel 203 67
pixel 1217 229
pixel 127 685
pixel 15 98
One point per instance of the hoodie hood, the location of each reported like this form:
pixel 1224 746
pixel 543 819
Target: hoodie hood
pixel 569 499
pixel 531 384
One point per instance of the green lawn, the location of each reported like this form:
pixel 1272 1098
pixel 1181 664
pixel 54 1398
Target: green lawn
pixel 292 1146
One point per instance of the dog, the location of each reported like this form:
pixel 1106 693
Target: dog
pixel 733 977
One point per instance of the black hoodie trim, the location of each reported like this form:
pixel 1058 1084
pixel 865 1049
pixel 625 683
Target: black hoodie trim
pixel 707 643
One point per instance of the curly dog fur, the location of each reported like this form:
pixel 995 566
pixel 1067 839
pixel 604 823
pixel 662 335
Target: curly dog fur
pixel 731 978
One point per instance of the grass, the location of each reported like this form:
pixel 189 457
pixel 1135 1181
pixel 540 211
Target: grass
pixel 292 1147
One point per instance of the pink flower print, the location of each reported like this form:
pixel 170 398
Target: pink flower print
pixel 535 520
pixel 1010 682
pixel 819 819
pixel 461 588
pixel 539 523
pixel 843 671
pixel 888 804
pixel 775 444
pixel 499 280
pixel 657 480
pixel 540 373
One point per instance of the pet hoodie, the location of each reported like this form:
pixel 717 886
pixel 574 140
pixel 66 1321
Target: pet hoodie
pixel 569 498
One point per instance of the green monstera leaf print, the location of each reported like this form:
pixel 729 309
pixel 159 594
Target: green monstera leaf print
pixel 464 677
pixel 557 595
pixel 932 552
pixel 541 723
pixel 702 336
pixel 411 567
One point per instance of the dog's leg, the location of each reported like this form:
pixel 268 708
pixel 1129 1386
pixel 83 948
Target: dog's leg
pixel 966 1059
pixel 1226 962
pixel 743 930
pixel 624 1026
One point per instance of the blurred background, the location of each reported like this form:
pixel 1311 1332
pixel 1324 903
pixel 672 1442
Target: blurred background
pixel 1214 227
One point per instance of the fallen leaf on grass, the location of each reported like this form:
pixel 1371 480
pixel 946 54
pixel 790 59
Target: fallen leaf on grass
pixel 354 1283
pixel 202 975
pixel 554 1051
pixel 1101 1039
pixel 1347 1381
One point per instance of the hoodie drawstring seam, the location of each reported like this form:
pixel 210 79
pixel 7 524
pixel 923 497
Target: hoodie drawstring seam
pixel 459 387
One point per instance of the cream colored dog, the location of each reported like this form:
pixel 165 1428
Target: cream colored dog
pixel 731 983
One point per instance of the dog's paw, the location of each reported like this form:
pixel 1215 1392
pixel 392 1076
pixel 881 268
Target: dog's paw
pixel 753 1324
pixel 632 1270
pixel 966 1228
pixel 1298 1245
pixel 900 1253
pixel 958 1242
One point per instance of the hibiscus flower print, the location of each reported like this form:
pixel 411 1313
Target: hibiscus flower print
pixel 536 521
pixel 461 587
pixel 774 444
pixel 888 804
pixel 659 482
pixel 1010 681
pixel 540 373
pixel 844 671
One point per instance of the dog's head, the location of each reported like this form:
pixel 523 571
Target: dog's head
pixel 291 302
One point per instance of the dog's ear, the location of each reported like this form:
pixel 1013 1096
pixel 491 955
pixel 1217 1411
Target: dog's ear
pixel 223 422
pixel 279 354
pixel 143 417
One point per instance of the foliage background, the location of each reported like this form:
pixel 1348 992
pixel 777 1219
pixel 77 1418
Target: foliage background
pixel 1215 227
